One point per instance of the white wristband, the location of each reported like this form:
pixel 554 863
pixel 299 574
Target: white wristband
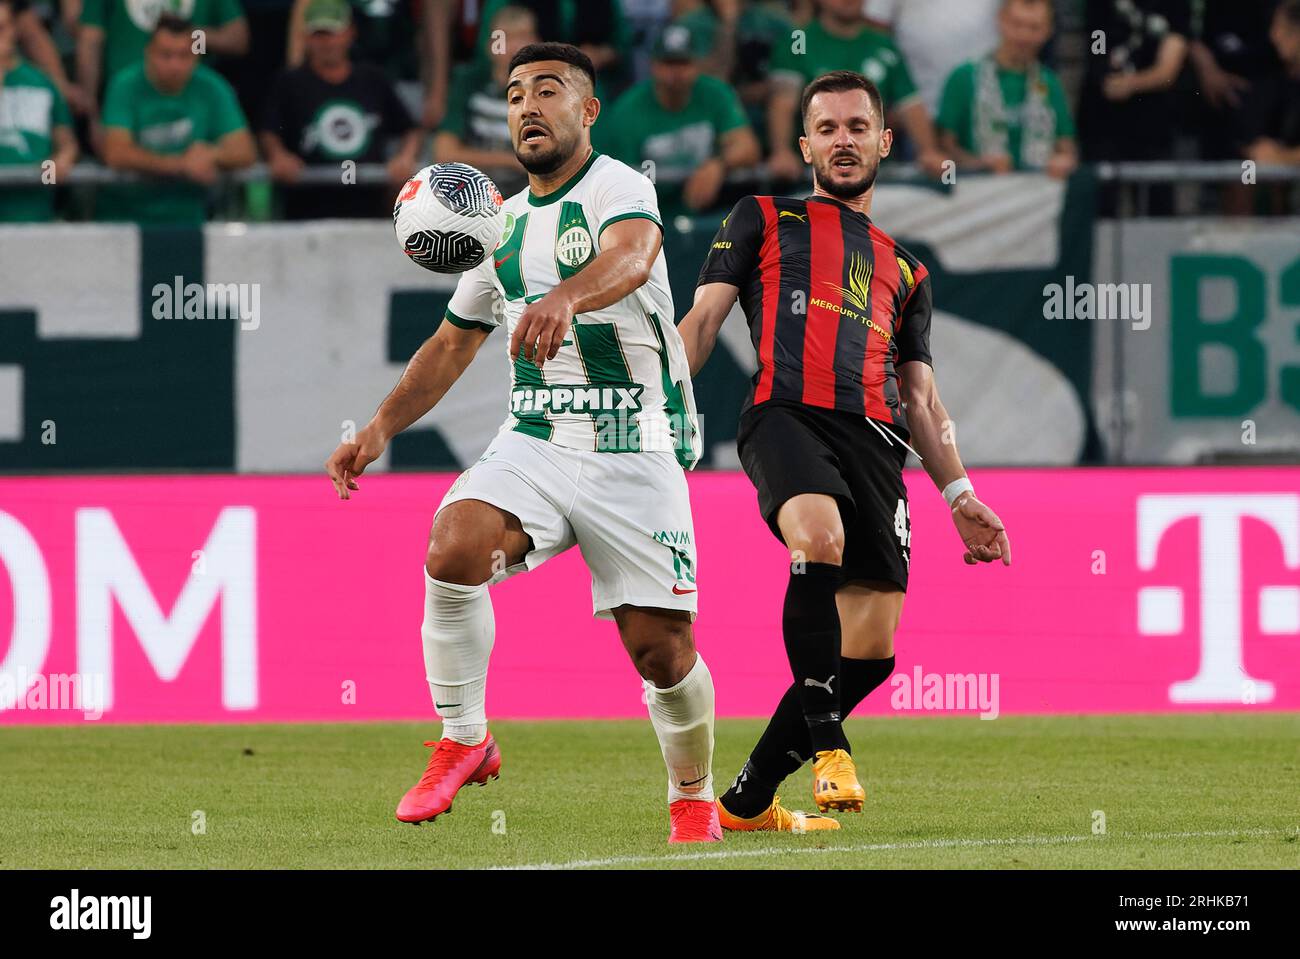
pixel 956 488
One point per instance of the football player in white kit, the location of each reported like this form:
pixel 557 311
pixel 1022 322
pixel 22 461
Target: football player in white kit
pixel 600 426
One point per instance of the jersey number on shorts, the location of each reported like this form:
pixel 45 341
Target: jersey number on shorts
pixel 903 524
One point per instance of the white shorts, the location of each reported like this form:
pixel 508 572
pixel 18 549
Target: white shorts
pixel 630 513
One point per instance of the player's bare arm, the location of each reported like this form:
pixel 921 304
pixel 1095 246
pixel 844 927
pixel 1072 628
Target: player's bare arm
pixel 436 365
pixel 628 251
pixel 699 328
pixel 981 531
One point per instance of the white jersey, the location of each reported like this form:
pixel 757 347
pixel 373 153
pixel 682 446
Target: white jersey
pixel 620 381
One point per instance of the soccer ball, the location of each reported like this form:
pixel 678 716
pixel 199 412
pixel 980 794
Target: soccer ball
pixel 448 217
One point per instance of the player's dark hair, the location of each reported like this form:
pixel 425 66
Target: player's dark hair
pixel 171 23
pixel 564 52
pixel 839 81
pixel 1290 10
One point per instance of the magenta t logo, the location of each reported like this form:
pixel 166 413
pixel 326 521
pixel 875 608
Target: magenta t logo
pixel 1222 676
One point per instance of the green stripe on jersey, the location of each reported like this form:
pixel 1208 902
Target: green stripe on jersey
pixel 528 376
pixel 509 260
pixel 467 324
pixel 674 403
pixel 606 364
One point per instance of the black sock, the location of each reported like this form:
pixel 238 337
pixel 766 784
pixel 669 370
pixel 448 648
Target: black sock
pixel 786 745
pixel 780 751
pixel 811 625
pixel 752 792
pixel 861 676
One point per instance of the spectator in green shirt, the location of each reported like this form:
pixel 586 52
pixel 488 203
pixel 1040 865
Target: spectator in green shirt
pixel 840 38
pixel 35 126
pixel 36 44
pixel 475 129
pixel 597 27
pixel 1007 111
pixel 174 119
pixel 740 36
pixel 683 129
pixel 114 34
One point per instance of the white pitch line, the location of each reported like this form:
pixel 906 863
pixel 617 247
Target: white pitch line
pixel 887 846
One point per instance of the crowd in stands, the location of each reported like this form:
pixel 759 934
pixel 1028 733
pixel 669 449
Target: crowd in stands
pixel 700 94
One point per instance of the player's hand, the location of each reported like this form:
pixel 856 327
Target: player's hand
pixel 351 459
pixel 200 164
pixel 981 530
pixel 542 328
pixel 784 165
pixel 286 167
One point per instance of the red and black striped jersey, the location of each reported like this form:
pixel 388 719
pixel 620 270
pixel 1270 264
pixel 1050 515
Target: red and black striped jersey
pixel 834 304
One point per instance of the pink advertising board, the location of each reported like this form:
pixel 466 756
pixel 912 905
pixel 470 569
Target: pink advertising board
pixel 244 598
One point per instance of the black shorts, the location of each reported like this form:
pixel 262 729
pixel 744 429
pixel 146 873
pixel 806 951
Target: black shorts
pixel 791 448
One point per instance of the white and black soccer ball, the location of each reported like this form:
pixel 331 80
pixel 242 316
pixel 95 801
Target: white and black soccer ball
pixel 448 217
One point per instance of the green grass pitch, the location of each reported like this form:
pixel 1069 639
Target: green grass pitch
pixel 1205 791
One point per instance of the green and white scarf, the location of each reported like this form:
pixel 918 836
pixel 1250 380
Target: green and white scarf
pixel 1037 118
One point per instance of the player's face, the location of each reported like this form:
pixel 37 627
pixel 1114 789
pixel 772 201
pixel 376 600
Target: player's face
pixel 171 60
pixel 550 108
pixel 845 141
pixel 1025 27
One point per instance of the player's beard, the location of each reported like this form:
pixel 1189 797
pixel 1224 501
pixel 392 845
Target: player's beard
pixel 548 161
pixel 845 189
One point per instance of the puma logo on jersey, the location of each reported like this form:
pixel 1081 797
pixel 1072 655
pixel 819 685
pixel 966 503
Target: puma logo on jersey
pixel 826 685
pixel 801 217
pixel 576 399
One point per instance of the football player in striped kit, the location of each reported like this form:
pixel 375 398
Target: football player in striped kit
pixel 601 423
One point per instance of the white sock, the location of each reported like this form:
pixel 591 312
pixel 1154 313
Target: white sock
pixel 682 717
pixel 458 633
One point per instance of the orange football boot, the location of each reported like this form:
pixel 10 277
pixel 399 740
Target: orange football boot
pixel 835 782
pixel 776 818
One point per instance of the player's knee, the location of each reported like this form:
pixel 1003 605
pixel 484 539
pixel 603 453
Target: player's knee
pixel 464 567
pixel 666 660
pixel 816 544
pixel 872 643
